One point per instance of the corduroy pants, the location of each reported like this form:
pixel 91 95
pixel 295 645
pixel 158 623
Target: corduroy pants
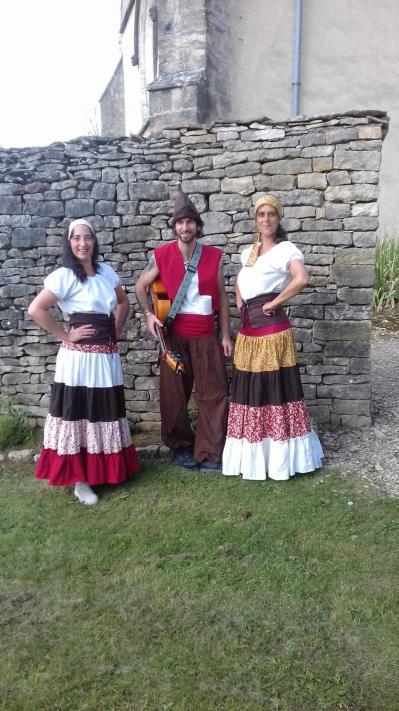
pixel 204 368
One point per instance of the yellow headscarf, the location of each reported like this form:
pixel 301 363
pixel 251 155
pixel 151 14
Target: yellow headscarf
pixel 264 200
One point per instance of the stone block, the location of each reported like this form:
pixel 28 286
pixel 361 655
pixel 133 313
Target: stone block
pixel 369 132
pixel 243 169
pixel 351 407
pixel 322 164
pixel 352 193
pixel 312 180
pixel 204 138
pixel 127 235
pixel 103 191
pixel 364 239
pixel 216 222
pixel 337 239
pixel 364 176
pixel 288 167
pixel 105 207
pixel 354 255
pixel 359 365
pixel 21 455
pixel 264 134
pixel 243 185
pixel 79 208
pixel 353 275
pixel 355 296
pixel 229 202
pixel 320 413
pixel 339 177
pixel 110 175
pixel 307 311
pixel 317 152
pixel 298 197
pixel 201 185
pixel 347 349
pixel 313 138
pixel 324 225
pixel 344 312
pixel 156 208
pixel 274 182
pixel 335 211
pixel 151 190
pixel 26 238
pixel 365 209
pixel 357 160
pixel 361 223
pixel 44 208
pixel 341 135
pixel 10 204
pixel 344 392
pixel 341 331
pixel 314 298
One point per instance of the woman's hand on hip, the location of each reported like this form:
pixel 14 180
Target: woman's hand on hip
pixel 79 333
pixel 268 308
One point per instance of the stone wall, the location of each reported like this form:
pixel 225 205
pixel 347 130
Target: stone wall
pixel 325 170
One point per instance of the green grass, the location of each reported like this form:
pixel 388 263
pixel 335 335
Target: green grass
pixel 386 287
pixel 15 429
pixel 186 591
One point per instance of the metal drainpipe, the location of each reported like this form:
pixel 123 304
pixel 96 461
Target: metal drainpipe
pixel 296 71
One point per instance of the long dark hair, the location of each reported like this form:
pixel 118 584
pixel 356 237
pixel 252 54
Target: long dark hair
pixel 281 235
pixel 71 262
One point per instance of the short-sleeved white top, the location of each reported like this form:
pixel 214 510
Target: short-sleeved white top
pixel 270 271
pixel 95 295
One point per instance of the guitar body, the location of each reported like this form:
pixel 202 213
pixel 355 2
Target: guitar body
pixel 160 300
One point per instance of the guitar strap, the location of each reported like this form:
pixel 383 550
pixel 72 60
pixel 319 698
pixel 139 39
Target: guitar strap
pixel 182 291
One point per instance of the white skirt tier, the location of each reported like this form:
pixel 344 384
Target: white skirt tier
pixel 272 459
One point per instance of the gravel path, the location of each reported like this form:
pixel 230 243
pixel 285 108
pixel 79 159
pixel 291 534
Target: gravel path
pixel 374 454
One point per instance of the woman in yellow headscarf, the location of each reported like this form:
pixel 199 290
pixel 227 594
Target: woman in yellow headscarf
pixel 269 434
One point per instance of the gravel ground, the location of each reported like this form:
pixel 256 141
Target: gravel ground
pixel 373 454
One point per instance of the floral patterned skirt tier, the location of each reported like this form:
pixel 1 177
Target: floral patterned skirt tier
pixel 86 433
pixel 269 434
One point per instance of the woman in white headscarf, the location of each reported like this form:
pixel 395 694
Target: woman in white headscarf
pixel 269 434
pixel 86 434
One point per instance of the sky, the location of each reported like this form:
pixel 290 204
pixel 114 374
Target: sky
pixel 56 58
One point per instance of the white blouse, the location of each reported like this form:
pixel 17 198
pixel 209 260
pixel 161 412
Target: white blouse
pixel 270 271
pixel 96 294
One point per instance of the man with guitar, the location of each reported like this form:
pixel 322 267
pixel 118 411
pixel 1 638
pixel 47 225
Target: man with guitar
pixel 192 276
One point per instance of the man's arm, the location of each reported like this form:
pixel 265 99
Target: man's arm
pixel 224 313
pixel 141 289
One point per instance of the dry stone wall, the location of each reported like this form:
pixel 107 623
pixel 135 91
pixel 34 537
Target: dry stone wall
pixel 324 169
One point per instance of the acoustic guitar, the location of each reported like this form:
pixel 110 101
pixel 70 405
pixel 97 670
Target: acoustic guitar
pixel 161 305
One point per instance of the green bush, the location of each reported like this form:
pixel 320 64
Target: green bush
pixel 386 288
pixel 14 427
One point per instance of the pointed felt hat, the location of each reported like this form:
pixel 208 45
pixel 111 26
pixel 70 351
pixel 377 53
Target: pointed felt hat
pixel 184 208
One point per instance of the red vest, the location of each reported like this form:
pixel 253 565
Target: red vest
pixel 172 270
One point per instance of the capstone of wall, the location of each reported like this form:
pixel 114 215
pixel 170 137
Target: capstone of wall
pixel 324 169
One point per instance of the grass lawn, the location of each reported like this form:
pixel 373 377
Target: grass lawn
pixel 194 592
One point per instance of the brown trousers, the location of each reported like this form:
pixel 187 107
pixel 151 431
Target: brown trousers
pixel 204 367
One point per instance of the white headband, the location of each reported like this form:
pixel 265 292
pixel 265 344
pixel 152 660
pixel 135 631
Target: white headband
pixel 74 224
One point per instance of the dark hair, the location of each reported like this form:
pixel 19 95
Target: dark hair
pixel 281 235
pixel 70 262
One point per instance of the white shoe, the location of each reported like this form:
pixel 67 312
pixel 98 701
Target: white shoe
pixel 85 493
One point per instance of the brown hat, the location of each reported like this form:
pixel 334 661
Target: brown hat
pixel 184 208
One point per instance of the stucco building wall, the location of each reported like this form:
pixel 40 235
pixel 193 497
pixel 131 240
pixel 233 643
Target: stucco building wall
pixel 349 59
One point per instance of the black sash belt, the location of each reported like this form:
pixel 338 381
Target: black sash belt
pixel 105 327
pixel 253 316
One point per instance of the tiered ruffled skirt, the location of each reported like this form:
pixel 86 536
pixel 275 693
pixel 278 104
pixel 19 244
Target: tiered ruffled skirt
pixel 269 434
pixel 86 433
